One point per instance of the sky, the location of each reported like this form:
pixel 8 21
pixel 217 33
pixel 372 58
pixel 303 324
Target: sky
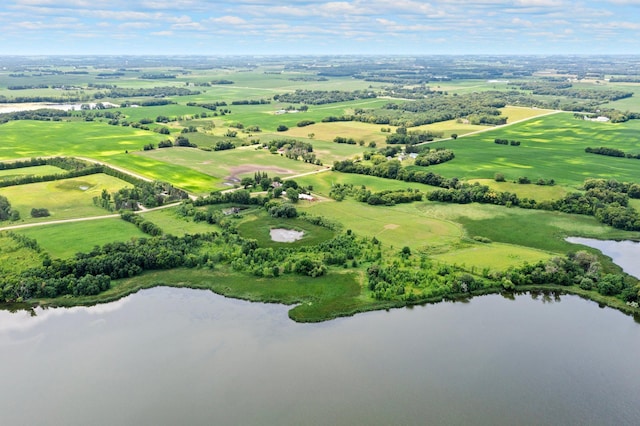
pixel 256 27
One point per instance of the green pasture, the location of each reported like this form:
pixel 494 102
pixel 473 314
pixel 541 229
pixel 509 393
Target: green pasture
pixel 322 182
pixel 258 227
pixel 266 118
pixel 64 240
pixel 171 223
pixel 171 111
pixel 627 104
pixel 494 256
pixel 65 199
pixel 348 129
pixel 530 191
pixel 552 147
pixel 542 230
pixel 30 171
pixel 398 226
pixel 14 258
pixel 229 164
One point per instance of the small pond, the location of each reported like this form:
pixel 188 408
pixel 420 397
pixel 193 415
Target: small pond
pixel 281 235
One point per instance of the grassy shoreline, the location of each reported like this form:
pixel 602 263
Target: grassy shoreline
pixel 315 304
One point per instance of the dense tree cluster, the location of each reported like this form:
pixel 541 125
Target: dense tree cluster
pixel 392 169
pixel 321 97
pixel 91 273
pixel 129 92
pixel 45 114
pixel 566 89
pixel 141 223
pixel 611 152
pixel 294 150
pixel 434 156
pixel 251 102
pixel 387 197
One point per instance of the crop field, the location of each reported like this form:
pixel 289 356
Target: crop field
pixel 552 147
pixel 66 239
pixel 98 141
pixel 65 199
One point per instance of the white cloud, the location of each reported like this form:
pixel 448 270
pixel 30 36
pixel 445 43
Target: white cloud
pixel 228 20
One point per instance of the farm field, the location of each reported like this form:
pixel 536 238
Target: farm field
pixel 552 147
pixel 65 199
pixel 97 141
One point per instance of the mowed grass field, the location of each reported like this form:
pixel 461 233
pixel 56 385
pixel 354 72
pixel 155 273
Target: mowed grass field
pixel 238 163
pixel 171 223
pixel 397 226
pixel 30 171
pixel 322 182
pixel 494 256
pixel 552 147
pixel 65 199
pixel 530 191
pixel 66 239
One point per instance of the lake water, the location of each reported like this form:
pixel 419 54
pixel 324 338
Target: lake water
pixel 177 356
pixel 624 253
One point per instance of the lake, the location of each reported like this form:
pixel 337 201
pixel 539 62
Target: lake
pixel 177 356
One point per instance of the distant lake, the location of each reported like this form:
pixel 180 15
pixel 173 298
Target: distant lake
pixel 176 356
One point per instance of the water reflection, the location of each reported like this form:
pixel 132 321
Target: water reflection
pixel 178 356
pixel 623 253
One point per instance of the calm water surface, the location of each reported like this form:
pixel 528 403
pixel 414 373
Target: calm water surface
pixel 176 356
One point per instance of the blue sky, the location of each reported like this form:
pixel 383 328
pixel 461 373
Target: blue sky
pixel 319 27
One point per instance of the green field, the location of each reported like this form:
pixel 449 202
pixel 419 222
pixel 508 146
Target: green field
pixel 14 258
pixel 65 199
pixel 171 223
pixel 99 141
pixel 229 165
pixel 398 226
pixel 30 171
pixel 66 239
pixel 494 256
pixel 552 147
